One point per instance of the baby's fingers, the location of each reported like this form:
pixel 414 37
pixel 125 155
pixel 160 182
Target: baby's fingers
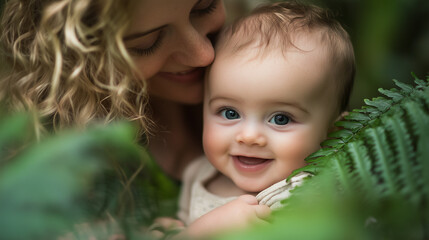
pixel 262 211
pixel 249 199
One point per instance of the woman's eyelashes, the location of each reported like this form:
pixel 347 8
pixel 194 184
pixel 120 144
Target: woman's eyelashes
pixel 146 51
pixel 204 7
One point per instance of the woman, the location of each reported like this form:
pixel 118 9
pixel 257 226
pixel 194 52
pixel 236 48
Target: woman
pixel 84 61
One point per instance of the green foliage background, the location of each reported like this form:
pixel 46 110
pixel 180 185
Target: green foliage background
pixel 391 38
pixel 370 181
pixel 100 177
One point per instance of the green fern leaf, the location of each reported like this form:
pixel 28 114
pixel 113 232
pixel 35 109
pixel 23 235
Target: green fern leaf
pixel 393 94
pixel 422 158
pixel 405 87
pixel 416 116
pixel 357 116
pixel 341 170
pixel 353 126
pixel 420 83
pixel 419 125
pixel 40 190
pixel 372 112
pixel 332 143
pixel 320 153
pixel 359 157
pixel 312 168
pixel 343 134
pixel 404 152
pixel 422 97
pixel 383 164
pixel 380 103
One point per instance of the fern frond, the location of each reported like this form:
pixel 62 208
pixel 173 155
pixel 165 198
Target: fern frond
pixel 342 134
pixel 332 143
pixel 423 158
pixel 323 152
pixel 420 83
pixel 371 116
pixel 404 87
pixel 416 117
pixel 372 112
pixel 352 126
pixel 359 117
pixel 403 150
pixel 313 169
pixel 341 171
pixel 360 159
pixel 383 164
pixel 393 94
pixel 419 124
pixel 380 103
pixel 422 97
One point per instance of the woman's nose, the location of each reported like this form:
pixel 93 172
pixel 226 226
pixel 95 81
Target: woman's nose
pixel 251 135
pixel 196 49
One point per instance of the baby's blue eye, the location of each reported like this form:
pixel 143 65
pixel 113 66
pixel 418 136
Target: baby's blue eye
pixel 280 119
pixel 230 114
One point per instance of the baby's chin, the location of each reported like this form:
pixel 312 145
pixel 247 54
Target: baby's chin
pixel 253 187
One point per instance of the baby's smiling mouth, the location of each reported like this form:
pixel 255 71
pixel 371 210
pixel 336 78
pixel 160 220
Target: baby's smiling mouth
pixel 250 164
pixel 251 160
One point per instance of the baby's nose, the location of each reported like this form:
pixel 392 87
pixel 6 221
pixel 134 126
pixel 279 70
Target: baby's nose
pixel 252 136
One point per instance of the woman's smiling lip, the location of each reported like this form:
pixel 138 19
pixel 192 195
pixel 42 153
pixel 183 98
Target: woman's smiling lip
pixel 250 164
pixel 190 76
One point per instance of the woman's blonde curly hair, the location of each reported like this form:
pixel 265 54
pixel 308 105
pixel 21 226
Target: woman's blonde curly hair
pixel 68 62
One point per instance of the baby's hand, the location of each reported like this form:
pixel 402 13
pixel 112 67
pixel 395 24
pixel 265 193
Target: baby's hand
pixel 236 214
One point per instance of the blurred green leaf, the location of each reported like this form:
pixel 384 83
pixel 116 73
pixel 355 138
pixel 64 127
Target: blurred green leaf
pixel 43 188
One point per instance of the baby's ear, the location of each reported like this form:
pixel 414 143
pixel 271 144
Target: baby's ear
pixel 340 117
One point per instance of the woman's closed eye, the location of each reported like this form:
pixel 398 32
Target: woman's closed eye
pixel 148 44
pixel 203 7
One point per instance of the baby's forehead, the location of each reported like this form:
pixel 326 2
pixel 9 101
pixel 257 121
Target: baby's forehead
pixel 252 47
pixel 307 52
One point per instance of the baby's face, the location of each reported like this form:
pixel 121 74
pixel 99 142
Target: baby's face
pixel 264 116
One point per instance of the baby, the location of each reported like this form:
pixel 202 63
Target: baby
pixel 282 76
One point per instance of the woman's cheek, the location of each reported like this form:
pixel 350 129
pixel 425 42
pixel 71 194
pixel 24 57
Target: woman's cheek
pixel 148 67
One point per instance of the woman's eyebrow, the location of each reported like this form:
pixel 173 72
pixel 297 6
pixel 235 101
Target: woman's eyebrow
pixel 141 34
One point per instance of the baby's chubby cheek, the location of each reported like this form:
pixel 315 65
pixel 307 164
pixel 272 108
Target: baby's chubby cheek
pixel 295 151
pixel 212 140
